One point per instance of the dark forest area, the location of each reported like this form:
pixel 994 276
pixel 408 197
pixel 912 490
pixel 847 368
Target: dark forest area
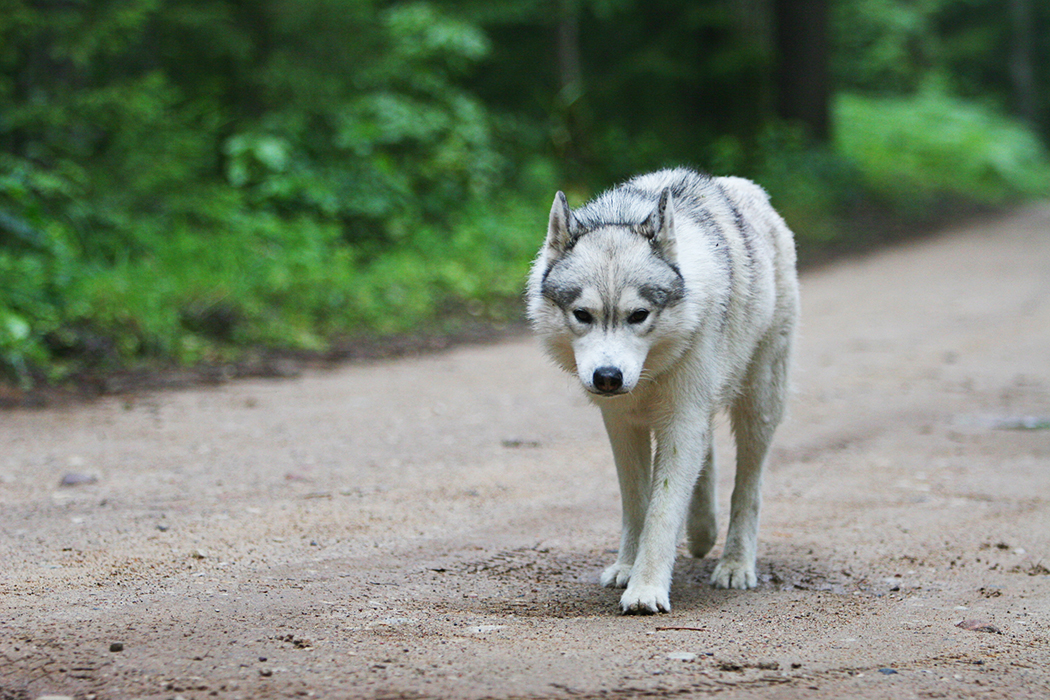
pixel 187 181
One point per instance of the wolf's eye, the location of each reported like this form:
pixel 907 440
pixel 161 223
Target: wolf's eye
pixel 583 316
pixel 638 316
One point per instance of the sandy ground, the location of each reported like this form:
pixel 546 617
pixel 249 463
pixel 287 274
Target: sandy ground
pixel 435 527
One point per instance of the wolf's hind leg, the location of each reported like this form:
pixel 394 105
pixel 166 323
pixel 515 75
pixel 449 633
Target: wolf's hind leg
pixel 702 526
pixel 755 416
pixel 632 452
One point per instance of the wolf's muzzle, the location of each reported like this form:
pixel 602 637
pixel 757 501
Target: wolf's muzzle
pixel 607 380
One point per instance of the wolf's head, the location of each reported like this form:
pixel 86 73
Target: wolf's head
pixel 607 297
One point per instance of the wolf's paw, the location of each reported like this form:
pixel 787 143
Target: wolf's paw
pixel 616 576
pixel 645 600
pixel 734 574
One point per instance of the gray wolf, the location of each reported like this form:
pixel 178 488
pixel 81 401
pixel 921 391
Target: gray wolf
pixel 671 297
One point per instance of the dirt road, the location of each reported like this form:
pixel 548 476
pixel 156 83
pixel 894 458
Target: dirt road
pixel 435 527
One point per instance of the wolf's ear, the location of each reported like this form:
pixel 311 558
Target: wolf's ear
pixel 659 227
pixel 560 228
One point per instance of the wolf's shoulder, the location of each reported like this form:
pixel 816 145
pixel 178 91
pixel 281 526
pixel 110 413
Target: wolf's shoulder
pixel 742 189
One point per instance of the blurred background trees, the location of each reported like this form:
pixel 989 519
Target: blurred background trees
pixel 183 179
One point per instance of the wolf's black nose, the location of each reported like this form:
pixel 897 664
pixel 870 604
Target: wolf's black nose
pixel 608 379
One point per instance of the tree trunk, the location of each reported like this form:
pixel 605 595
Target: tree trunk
pixel 1022 72
pixel 569 71
pixel 802 64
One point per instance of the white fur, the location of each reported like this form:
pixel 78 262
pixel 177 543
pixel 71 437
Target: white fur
pixel 725 344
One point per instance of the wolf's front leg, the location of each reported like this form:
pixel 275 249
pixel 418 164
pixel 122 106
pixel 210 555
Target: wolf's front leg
pixel 632 452
pixel 680 452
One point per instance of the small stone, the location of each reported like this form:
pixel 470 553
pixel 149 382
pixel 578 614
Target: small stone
pixel 887 672
pixel 681 656
pixel 77 479
pixel 116 646
pixel 517 443
pixel 979 626
pixel 265 672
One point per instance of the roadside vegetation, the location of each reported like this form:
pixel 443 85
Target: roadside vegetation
pixel 185 181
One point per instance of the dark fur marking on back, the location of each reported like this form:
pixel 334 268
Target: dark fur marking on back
pixel 743 227
pixel 746 231
pixel 703 218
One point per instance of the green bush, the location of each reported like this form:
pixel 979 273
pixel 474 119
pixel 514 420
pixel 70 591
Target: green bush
pixel 301 285
pixel 903 159
pixel 913 150
pixel 38 266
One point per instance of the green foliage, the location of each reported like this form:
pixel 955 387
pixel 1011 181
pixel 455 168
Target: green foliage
pixel 37 266
pixel 385 147
pixel 885 45
pixel 813 187
pixel 974 48
pixel 660 80
pixel 271 284
pixel 915 149
pixel 179 178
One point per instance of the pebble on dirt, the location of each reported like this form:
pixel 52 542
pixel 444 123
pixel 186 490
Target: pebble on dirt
pixel 116 646
pixel 979 626
pixel 682 656
pixel 77 479
pixel 520 443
